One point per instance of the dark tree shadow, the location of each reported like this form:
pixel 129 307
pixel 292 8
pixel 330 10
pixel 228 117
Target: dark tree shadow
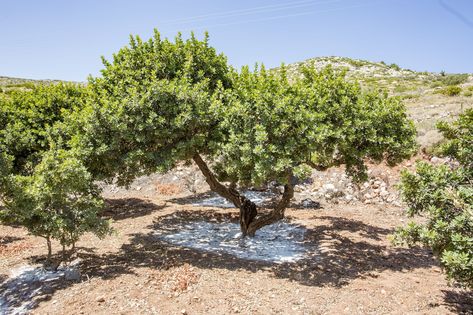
pixel 344 261
pixel 192 199
pixel 460 302
pixel 126 208
pixel 5 240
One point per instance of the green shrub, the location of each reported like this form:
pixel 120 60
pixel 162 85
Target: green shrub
pixel 452 90
pixel 454 79
pixel 395 67
pixel 57 201
pixel 46 190
pixel 444 194
pixel 29 117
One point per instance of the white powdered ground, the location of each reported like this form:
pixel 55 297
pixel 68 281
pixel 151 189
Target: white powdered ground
pixel 19 292
pixel 279 242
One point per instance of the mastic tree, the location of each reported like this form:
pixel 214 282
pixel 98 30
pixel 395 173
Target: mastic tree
pixel 27 118
pixel 45 188
pixel 160 102
pixel 444 195
pixel 57 201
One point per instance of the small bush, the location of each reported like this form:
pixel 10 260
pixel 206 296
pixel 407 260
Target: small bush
pixel 58 201
pixel 410 96
pixel 444 195
pixel 395 67
pixel 452 90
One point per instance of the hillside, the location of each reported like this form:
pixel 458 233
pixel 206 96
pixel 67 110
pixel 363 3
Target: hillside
pixel 396 80
pixel 8 84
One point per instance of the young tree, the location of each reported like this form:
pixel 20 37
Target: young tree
pixel 44 188
pixel 160 102
pixel 57 201
pixel 444 194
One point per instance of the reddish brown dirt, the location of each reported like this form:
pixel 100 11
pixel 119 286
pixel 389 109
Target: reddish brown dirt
pixel 355 271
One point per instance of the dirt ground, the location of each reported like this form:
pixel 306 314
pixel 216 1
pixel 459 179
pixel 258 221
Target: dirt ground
pixel 352 270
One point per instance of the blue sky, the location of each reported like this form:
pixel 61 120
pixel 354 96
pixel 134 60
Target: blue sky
pixel 53 39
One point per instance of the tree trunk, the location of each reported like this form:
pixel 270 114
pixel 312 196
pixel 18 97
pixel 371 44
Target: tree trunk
pixel 247 214
pixel 48 241
pixel 249 221
pixel 277 213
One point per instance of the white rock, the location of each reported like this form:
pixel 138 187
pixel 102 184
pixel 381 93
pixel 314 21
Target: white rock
pixel 329 187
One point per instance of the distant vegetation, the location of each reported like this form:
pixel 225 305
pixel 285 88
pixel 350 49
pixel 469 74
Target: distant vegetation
pixel 453 79
pixel 452 90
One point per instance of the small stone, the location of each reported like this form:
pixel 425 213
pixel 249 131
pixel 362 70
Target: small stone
pixel 72 275
pixel 280 189
pixel 183 312
pixel 309 203
pixel 100 299
pixel 329 187
pixel 298 188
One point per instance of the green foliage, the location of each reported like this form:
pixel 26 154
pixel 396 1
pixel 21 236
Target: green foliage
pixel 154 105
pixel 27 119
pixel 320 120
pixel 57 201
pixel 395 67
pixel 469 91
pixel 454 79
pixel 25 85
pixel 44 189
pixel 445 195
pixel 452 90
pixel 160 102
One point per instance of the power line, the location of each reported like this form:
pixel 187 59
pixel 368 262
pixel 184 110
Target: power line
pixel 457 14
pixel 277 17
pixel 249 11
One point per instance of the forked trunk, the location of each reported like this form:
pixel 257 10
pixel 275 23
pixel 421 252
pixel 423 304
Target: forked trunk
pixel 250 222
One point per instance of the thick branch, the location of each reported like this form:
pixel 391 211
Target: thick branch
pixel 277 213
pixel 228 193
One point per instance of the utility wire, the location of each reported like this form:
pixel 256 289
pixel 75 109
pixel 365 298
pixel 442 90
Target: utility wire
pixel 249 11
pixel 278 17
pixel 457 14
